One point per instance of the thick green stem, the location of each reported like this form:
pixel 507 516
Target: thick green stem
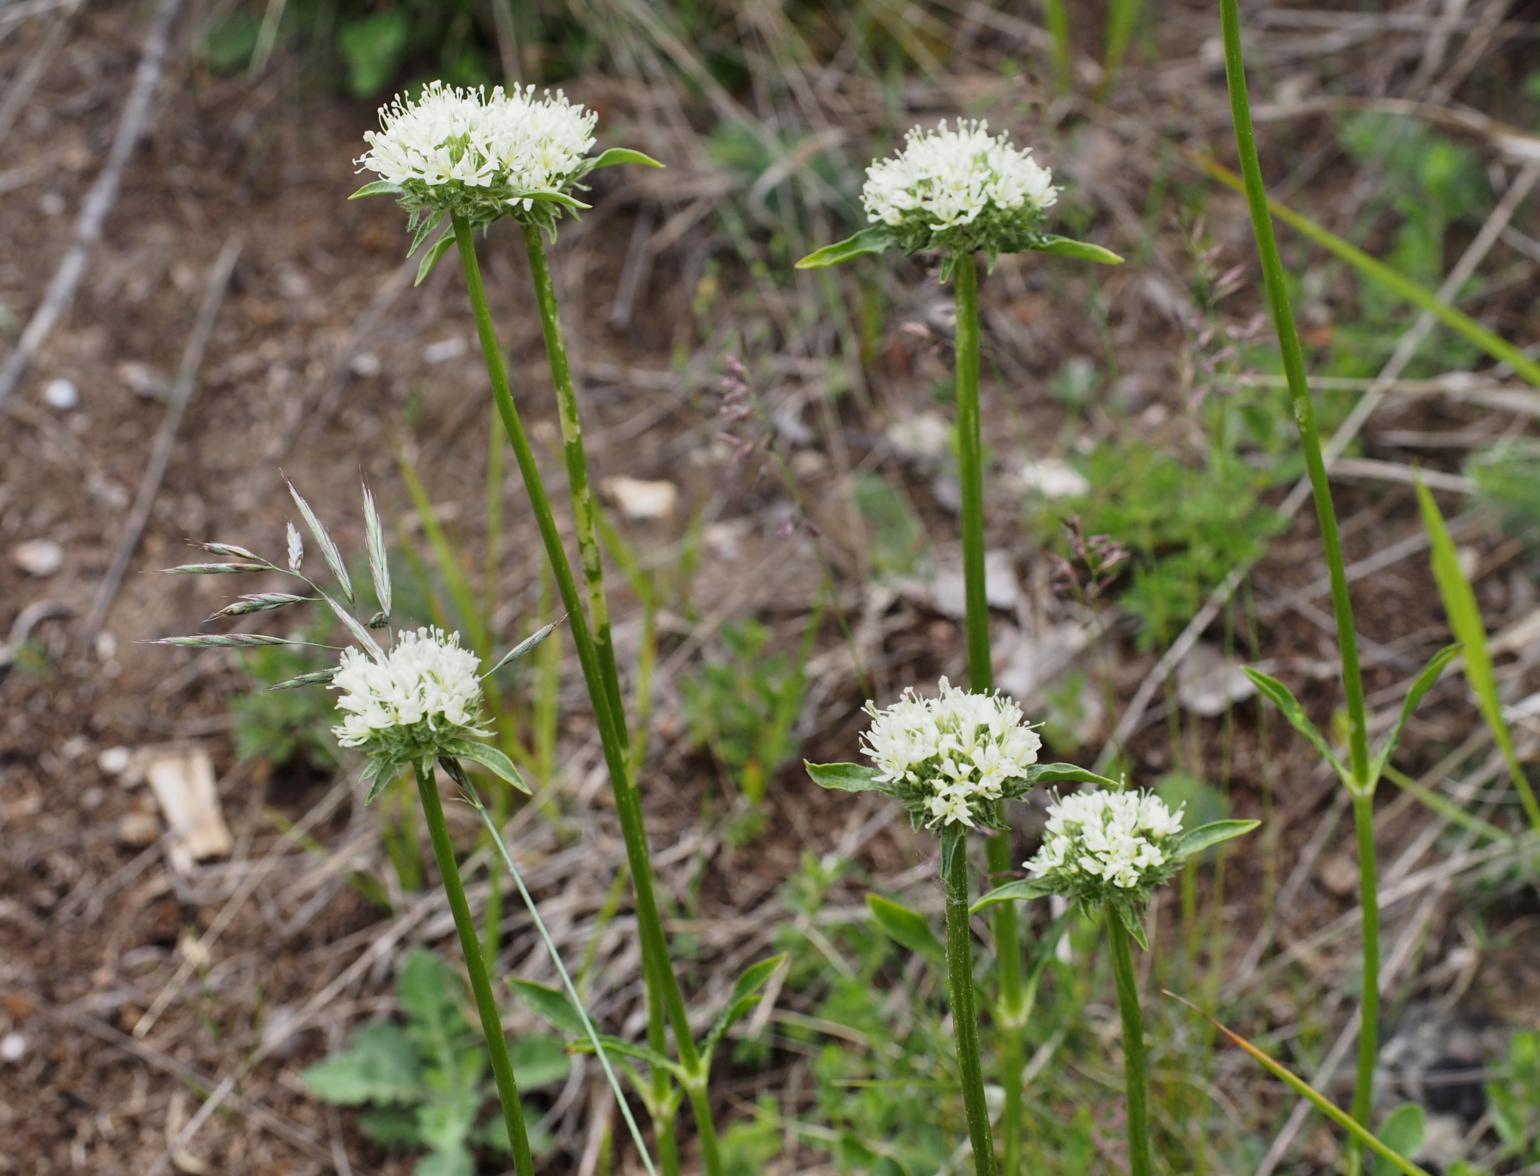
pixel 970 461
pixel 1135 1077
pixel 1369 998
pixel 584 513
pixel 959 972
pixel 475 966
pixel 1331 542
pixel 657 968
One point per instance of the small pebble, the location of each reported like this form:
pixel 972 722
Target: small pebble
pixel 138 829
pixel 114 760
pixel 13 1047
pixel 444 350
pixel 61 394
pixel 38 557
pixel 366 365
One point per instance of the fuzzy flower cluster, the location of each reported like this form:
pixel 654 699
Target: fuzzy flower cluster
pixel 949 758
pixel 960 189
pixel 1100 845
pixel 479 153
pixel 424 693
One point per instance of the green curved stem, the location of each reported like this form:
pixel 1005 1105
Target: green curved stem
pixel 1361 786
pixel 959 973
pixel 476 967
pixel 657 969
pixel 1135 1077
pixel 970 460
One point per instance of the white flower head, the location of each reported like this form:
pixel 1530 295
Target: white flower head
pixel 948 759
pixel 422 697
pixel 1105 845
pixel 481 154
pixel 959 189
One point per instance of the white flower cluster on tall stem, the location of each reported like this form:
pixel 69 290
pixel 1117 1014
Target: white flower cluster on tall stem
pixel 959 188
pixel 423 694
pixel 949 758
pixel 477 152
pixel 1103 844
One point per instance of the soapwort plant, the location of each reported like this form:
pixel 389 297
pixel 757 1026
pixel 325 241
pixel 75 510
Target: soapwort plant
pixel 408 700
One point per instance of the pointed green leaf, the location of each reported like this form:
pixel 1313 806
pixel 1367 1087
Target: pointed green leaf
pixel 618 155
pixel 1403 1131
pixel 550 1005
pixel 909 929
pixel 424 228
pixel 1424 682
pixel 491 759
pixel 1132 919
pixel 376 188
pixel 1065 774
pixel 430 258
pixel 844 777
pixel 1283 698
pixel 329 551
pixel 630 1049
pixel 1205 836
pixel 1079 250
pixel 874 239
pixel 552 196
pixel 1019 890
pixel 744 996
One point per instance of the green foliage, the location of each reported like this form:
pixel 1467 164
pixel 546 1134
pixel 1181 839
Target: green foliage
pixel 427 1082
pixel 896 544
pixel 282 726
pixel 1515 1099
pixel 1507 484
pixel 1185 526
pixel 744 704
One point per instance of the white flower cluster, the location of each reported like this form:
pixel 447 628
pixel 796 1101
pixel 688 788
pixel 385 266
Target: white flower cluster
pixel 426 689
pixel 951 757
pixel 958 188
pixel 1096 842
pixel 491 147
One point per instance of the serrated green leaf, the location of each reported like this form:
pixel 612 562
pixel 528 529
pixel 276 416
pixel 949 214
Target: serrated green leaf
pixel 1018 891
pixel 1283 698
pixel 621 155
pixel 379 1065
pixel 430 258
pixel 550 1005
pixel 844 777
pixel 874 239
pixel 1420 687
pixel 1211 834
pixel 376 188
pixel 489 757
pixel 908 928
pixel 1079 250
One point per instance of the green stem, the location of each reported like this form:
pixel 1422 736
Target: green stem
pixel 1135 1079
pixel 1056 17
pixel 657 968
pixel 970 460
pixel 959 972
pixel 1331 542
pixel 475 966
pixel 1369 998
pixel 700 1106
pixel 584 513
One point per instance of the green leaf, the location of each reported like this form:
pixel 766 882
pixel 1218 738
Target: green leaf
pixel 744 996
pixel 875 239
pixel 550 1005
pixel 1283 698
pixel 376 188
pixel 490 758
pixel 1424 682
pixel 618 155
pixel 630 1049
pixel 1465 623
pixel 909 929
pixel 379 1065
pixel 1205 836
pixel 539 1059
pixel 845 777
pixel 430 258
pixel 1132 919
pixel 1065 774
pixel 329 550
pixel 1019 890
pixel 1079 250
pixel 373 46
pixel 453 1161
pixel 552 196
pixel 1403 1131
